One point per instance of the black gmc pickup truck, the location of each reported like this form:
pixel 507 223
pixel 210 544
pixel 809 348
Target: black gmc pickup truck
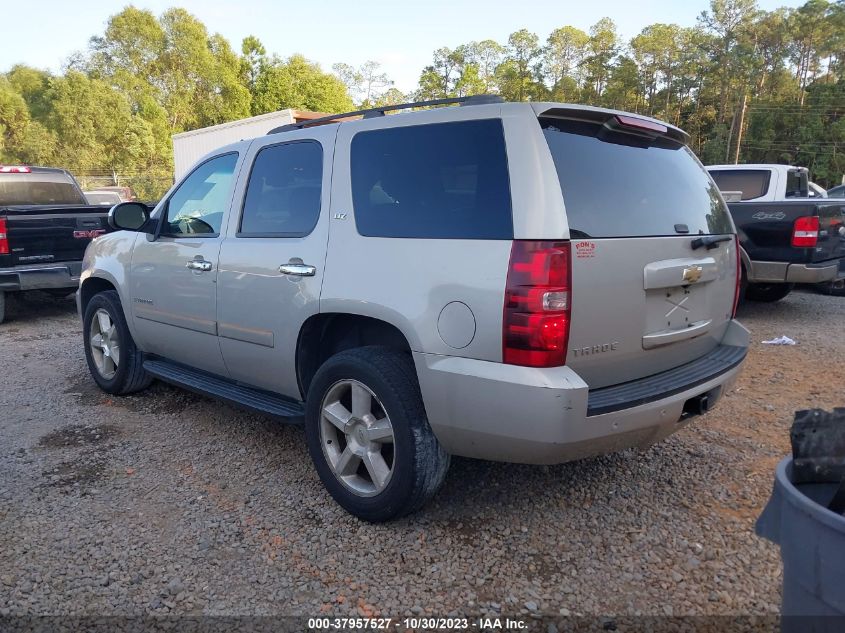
pixel 45 225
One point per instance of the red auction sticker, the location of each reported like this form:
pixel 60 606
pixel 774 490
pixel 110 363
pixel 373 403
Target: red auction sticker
pixel 585 250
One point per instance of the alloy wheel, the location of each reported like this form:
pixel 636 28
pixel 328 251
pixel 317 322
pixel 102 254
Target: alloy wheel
pixel 357 438
pixel 105 344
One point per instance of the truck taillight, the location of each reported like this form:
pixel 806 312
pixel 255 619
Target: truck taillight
pixel 538 304
pixel 4 239
pixel 805 232
pixel 738 288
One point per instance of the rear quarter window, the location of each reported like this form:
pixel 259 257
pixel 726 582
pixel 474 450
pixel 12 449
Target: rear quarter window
pixel 619 185
pixel 442 180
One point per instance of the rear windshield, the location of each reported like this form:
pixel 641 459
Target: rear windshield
pixel 753 183
pixel 619 185
pixel 38 188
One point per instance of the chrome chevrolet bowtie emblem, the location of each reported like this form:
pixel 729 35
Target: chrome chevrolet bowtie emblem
pixel 692 274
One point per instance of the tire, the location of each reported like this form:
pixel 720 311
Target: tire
pixel 416 461
pixel 829 288
pixel 126 375
pixel 2 306
pixel 767 293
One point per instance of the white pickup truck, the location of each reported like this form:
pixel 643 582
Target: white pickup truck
pixel 761 183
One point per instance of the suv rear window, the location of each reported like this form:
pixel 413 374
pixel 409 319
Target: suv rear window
pixel 442 180
pixel 619 185
pixel 753 183
pixel 38 188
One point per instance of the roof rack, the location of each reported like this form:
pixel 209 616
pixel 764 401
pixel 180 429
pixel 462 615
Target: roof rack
pixel 382 110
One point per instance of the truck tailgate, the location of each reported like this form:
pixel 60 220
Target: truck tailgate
pixel 765 229
pixel 42 234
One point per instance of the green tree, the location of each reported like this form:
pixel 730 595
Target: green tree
pixel 14 118
pixel 563 61
pixel 437 81
pixel 484 56
pixel 253 61
pixel 603 47
pixel 32 85
pixel 96 126
pixel 521 68
pixel 299 83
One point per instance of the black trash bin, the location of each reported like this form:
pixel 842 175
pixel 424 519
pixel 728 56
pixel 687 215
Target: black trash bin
pixel 812 547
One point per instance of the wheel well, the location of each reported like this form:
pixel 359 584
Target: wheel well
pixel 324 335
pixel 91 287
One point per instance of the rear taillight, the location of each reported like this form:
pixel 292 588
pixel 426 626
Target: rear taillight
pixel 14 169
pixel 805 232
pixel 738 288
pixel 4 239
pixel 538 302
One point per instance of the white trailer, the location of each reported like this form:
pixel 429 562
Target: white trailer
pixel 189 147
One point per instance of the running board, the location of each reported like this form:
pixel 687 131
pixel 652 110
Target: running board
pixel 238 395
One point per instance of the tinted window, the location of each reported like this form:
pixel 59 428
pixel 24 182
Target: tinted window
pixel 619 185
pixel 797 185
pixel 283 194
pixel 445 180
pixel 200 202
pixel 38 188
pixel 753 183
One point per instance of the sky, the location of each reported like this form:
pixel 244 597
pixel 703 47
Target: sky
pixel 399 34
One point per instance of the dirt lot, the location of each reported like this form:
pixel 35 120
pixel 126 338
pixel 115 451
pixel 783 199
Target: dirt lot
pixel 166 502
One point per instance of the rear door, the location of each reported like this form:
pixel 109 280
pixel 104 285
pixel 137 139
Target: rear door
pixel 272 261
pixel 647 293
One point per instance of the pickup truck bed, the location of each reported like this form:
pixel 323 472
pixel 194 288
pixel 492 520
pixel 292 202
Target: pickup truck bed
pixel 766 231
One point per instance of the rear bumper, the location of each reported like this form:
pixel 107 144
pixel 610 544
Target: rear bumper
pixel 544 416
pixel 40 276
pixel 783 272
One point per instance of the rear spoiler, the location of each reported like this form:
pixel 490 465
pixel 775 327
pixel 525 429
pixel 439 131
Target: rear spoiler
pixel 642 126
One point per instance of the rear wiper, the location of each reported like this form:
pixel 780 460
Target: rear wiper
pixel 710 241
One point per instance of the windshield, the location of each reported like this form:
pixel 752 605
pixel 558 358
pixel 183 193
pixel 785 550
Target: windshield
pixel 38 188
pixel 620 185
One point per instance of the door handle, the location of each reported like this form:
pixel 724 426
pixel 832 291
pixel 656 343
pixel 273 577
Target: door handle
pixel 297 269
pixel 199 264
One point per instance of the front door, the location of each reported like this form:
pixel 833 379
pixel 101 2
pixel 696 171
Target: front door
pixel 173 278
pixel 272 260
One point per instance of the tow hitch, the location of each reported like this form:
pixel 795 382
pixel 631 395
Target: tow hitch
pixel 701 404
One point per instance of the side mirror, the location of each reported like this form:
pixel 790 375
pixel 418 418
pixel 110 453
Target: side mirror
pixel 128 216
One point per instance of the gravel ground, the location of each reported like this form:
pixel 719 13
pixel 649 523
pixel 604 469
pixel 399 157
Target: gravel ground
pixel 166 502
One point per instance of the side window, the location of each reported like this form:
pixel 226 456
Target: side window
pixel 284 190
pixel 443 180
pixel 197 207
pixel 796 185
pixel 753 183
